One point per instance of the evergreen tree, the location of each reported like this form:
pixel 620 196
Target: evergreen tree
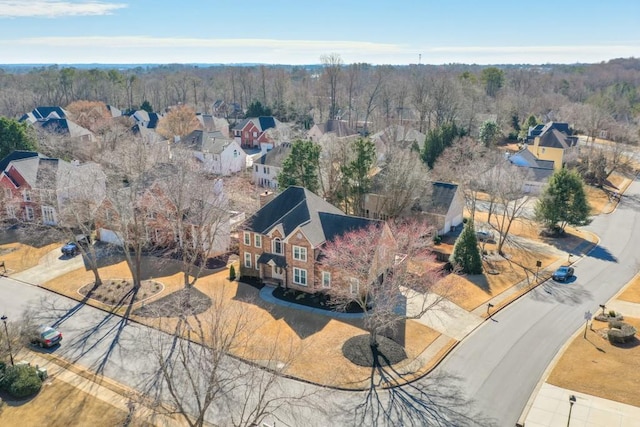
pixel 357 172
pixel 489 133
pixel 438 140
pixel 466 253
pixel 301 166
pixel 15 136
pixel 146 106
pixel 256 109
pixel 563 202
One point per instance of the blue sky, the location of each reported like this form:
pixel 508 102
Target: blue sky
pixel 299 32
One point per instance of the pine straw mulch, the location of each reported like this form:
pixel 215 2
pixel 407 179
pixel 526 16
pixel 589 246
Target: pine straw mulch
pixel 120 291
pixel 360 352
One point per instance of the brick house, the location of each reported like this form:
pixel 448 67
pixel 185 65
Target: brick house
pixel 35 188
pixel 281 244
pixel 254 131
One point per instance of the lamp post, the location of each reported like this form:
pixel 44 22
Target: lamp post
pixel 572 400
pixel 489 306
pixel 6 331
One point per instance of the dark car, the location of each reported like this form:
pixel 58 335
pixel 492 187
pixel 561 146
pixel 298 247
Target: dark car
pixel 46 336
pixel 72 248
pixel 563 274
pixel 484 236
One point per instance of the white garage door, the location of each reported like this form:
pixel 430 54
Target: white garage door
pixel 109 236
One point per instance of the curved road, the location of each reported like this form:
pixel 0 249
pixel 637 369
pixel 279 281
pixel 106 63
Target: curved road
pixel 486 381
pixel 500 364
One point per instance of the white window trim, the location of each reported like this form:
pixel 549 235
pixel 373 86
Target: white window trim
pixel 256 264
pixel 247 238
pixel 300 274
pixel 257 240
pixel 26 196
pixel 48 215
pixel 326 283
pixel 302 253
pixel 29 213
pixel 354 283
pixel 247 260
pixel 273 246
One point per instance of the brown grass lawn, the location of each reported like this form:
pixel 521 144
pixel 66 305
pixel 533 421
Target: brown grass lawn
pixel 632 293
pixel 297 339
pixel 596 367
pixel 61 405
pixel 19 257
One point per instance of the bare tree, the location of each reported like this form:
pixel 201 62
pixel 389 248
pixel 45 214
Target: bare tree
pixel 332 64
pixel 195 371
pixel 379 269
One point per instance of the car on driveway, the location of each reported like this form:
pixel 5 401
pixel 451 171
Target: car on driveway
pixel 46 336
pixel 72 248
pixel 484 236
pixel 563 274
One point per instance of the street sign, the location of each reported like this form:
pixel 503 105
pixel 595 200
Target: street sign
pixel 587 315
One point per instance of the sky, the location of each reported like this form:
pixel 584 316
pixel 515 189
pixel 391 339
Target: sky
pixel 299 32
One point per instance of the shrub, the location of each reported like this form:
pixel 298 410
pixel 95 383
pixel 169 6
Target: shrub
pixel 21 381
pixel 620 332
pixel 612 313
pixel 232 273
pixel 437 239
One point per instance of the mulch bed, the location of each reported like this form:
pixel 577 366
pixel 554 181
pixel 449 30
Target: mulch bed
pixel 358 350
pixel 314 300
pixel 120 291
pixel 184 302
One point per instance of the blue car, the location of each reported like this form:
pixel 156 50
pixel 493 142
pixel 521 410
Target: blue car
pixel 563 274
pixel 72 248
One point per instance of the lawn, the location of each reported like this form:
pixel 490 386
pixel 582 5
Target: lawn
pixel 596 367
pixel 61 405
pixel 19 257
pixel 632 292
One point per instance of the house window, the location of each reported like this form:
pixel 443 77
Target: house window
pixel 247 259
pixel 235 153
pixel 264 169
pixel 257 240
pixel 48 215
pixel 326 279
pixel 300 276
pixel 247 238
pixel 11 212
pixel 255 134
pixel 299 253
pixel 277 246
pixel 26 195
pixel 28 213
pixel 268 171
pixel 355 286
pixel 256 166
pixel 257 257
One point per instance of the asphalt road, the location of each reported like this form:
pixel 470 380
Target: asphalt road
pixel 486 381
pixel 499 365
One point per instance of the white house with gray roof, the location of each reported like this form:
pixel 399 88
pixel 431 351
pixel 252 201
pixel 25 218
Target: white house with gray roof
pixel 219 155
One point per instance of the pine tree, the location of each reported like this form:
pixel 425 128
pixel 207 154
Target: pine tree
pixel 232 272
pixel 563 202
pixel 466 253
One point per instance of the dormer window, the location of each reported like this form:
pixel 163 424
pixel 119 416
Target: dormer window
pixel 27 195
pixel 277 246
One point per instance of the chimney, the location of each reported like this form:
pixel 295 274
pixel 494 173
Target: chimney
pixel 266 197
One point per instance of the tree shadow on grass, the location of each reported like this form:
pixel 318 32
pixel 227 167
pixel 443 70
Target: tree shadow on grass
pixel 437 400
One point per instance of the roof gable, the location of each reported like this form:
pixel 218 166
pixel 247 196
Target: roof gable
pixel 16 155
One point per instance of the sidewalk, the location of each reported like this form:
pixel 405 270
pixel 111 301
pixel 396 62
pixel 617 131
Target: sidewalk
pixel 102 388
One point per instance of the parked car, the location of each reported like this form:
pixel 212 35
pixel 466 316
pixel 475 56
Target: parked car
pixel 484 236
pixel 563 274
pixel 72 248
pixel 46 336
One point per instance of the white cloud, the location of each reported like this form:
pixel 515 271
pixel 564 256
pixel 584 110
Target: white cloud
pixel 55 8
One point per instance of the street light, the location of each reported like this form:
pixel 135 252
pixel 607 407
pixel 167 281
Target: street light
pixel 572 400
pixel 489 306
pixel 4 320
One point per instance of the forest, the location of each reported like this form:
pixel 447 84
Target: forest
pixel 599 100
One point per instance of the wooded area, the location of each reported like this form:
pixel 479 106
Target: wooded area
pixel 599 100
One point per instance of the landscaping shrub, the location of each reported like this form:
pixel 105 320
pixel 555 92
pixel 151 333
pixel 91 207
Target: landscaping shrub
pixel 620 332
pixel 232 272
pixel 437 239
pixel 21 381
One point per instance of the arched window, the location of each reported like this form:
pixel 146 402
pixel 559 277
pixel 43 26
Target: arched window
pixel 277 246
